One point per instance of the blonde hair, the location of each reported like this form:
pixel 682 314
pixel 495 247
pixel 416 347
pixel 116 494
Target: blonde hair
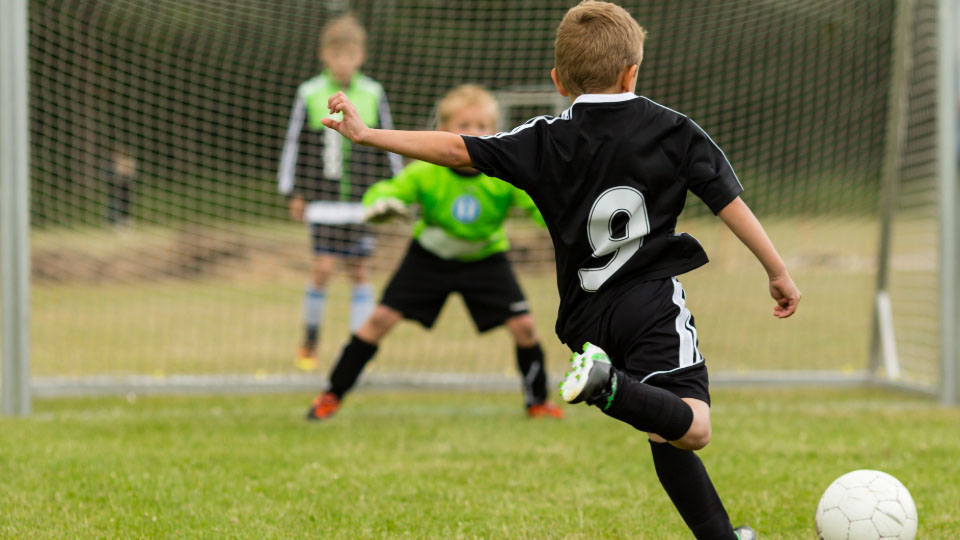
pixel 344 31
pixel 466 95
pixel 595 42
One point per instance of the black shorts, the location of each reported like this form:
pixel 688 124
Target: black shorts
pixel 649 333
pixel 343 240
pixel 423 281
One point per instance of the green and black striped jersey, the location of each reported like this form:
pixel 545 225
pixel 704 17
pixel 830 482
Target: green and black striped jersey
pixel 320 165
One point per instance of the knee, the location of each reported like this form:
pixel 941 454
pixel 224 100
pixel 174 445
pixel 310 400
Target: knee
pixel 358 272
pixel 698 435
pixel 697 438
pixel 524 330
pixel 380 322
pixel 320 278
pixel 380 319
pixel 321 271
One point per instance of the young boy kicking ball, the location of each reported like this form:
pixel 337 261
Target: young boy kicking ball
pixel 610 176
pixel 458 246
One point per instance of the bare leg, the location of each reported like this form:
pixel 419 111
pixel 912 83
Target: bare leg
pixel 322 269
pixel 523 330
pixel 378 324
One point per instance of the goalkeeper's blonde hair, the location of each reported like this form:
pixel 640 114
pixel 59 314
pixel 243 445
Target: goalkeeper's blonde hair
pixel 344 31
pixel 595 42
pixel 466 95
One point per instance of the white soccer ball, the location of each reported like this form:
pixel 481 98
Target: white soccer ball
pixel 866 505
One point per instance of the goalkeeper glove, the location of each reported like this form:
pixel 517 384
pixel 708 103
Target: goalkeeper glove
pixel 384 210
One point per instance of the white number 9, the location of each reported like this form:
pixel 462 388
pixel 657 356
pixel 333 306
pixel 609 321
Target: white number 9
pixel 600 233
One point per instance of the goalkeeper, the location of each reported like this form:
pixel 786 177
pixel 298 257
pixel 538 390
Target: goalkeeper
pixel 458 246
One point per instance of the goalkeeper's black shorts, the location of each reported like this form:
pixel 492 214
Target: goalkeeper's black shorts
pixel 421 284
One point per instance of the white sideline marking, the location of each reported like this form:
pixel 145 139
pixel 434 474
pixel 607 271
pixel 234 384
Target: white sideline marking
pixel 773 405
pixel 836 408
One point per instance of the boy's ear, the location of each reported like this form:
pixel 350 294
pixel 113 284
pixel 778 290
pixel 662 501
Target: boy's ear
pixel 628 78
pixel 558 84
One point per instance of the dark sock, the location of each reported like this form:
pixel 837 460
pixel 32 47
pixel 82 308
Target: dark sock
pixel 312 336
pixel 534 376
pixel 686 482
pixel 645 407
pixel 353 358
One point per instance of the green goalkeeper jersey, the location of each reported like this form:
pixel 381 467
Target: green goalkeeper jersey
pixel 461 216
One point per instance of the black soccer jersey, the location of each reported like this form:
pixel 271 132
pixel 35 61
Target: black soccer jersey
pixel 610 176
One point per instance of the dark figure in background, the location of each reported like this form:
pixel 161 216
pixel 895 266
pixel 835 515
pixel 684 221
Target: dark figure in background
pixel 120 172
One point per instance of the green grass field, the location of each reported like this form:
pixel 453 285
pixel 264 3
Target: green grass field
pixel 447 466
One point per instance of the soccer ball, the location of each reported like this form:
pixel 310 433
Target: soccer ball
pixel 866 505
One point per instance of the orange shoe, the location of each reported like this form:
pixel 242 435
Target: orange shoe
pixel 323 407
pixel 306 358
pixel 544 410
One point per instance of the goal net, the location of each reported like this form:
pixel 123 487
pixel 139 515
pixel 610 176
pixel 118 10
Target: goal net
pixel 164 257
pixel 908 349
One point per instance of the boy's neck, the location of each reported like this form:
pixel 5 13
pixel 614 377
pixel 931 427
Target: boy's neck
pixel 626 84
pixel 340 83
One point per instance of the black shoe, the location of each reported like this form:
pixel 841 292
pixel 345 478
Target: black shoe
pixel 746 533
pixel 589 376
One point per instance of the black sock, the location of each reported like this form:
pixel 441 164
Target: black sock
pixel 534 376
pixel 353 358
pixel 312 336
pixel 686 482
pixel 645 407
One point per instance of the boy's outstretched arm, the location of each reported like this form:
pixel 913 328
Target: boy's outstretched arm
pixel 745 225
pixel 437 147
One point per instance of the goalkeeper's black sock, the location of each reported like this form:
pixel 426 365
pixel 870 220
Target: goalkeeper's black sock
pixel 645 407
pixel 686 482
pixel 530 362
pixel 353 358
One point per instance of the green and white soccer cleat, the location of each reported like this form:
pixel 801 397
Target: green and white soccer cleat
pixel 590 374
pixel 746 533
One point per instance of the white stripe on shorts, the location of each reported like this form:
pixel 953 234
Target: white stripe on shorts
pixel 688 354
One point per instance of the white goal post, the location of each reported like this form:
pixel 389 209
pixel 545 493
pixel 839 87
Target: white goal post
pixel 948 106
pixel 14 212
pixel 919 207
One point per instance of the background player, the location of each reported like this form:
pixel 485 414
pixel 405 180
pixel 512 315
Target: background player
pixel 610 176
pixel 321 167
pixel 120 175
pixel 458 245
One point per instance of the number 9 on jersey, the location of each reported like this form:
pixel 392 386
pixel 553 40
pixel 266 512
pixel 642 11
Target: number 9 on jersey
pixel 611 207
